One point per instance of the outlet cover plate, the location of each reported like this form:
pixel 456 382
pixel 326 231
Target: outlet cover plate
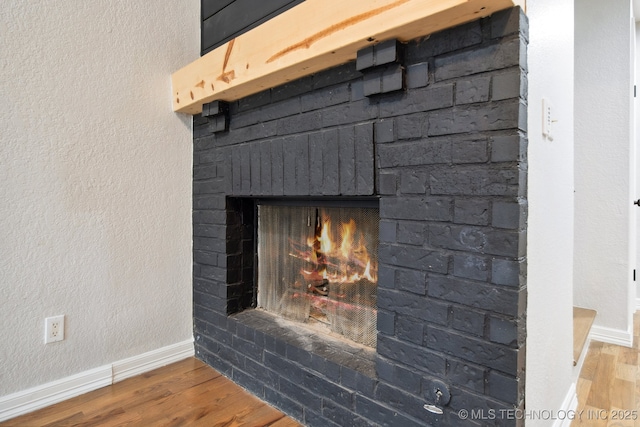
pixel 53 329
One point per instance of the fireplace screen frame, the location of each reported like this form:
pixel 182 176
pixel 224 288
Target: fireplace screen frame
pixel 368 338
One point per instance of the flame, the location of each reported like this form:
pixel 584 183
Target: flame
pixel 325 238
pixel 344 261
pixel 347 238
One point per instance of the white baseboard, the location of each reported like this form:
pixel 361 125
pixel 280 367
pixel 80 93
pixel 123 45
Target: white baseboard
pixel 612 336
pixel 637 304
pixel 38 397
pixel 580 362
pixel 151 360
pixel 47 394
pixel 569 406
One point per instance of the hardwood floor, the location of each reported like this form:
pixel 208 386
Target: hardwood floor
pixel 186 393
pixel 609 385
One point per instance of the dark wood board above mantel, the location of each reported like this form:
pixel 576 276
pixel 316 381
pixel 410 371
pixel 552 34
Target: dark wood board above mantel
pixel 223 20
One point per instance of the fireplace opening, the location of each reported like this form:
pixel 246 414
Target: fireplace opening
pixel 318 265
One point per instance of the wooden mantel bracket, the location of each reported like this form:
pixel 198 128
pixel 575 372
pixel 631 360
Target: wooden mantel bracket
pixel 310 37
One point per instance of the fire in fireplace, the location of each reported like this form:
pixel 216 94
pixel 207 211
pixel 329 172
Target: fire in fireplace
pixel 318 265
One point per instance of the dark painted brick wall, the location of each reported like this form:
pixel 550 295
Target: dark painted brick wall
pixel 447 159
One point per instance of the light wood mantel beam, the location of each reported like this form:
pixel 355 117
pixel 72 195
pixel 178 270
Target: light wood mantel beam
pixel 312 36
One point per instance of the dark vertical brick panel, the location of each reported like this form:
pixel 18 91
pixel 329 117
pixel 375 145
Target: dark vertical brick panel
pixel 364 154
pixel 277 168
pixel 347 161
pixel 330 163
pixel 446 156
pixel 265 168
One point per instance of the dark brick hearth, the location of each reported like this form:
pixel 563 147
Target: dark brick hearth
pixel 446 159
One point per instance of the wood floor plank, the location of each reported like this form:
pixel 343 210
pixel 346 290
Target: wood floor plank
pixel 622 394
pixel 602 381
pixel 638 392
pixel 626 372
pixel 612 349
pixel 150 394
pixel 229 410
pixel 118 416
pixel 628 355
pixel 244 417
pixel 190 405
pixel 68 421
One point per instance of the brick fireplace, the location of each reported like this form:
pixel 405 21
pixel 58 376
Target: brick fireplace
pixel 434 136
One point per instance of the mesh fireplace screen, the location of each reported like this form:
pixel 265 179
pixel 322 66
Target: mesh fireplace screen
pixel 320 265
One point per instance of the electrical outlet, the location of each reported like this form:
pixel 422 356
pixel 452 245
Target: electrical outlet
pixel 53 329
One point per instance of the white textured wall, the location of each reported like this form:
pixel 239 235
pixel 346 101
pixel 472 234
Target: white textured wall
pixel 95 183
pixel 603 152
pixel 550 226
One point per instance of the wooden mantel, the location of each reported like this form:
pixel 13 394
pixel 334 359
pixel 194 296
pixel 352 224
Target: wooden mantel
pixel 312 36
